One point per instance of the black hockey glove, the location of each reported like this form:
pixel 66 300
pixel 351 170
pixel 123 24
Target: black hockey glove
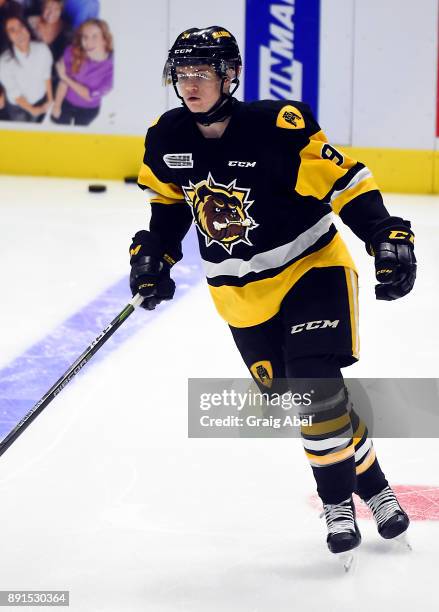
pixel 392 245
pixel 150 270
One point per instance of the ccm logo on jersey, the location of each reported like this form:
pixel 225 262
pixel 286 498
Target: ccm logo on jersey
pixel 242 164
pixel 314 325
pixel 183 50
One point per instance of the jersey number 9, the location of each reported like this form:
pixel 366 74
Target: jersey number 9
pixel 328 152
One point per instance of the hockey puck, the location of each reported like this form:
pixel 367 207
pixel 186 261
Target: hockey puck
pixel 129 180
pixel 97 188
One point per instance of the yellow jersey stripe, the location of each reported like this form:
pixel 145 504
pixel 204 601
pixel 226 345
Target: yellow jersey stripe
pixel 317 175
pixel 352 287
pixel 266 295
pixel 147 178
pixel 329 426
pixel 323 460
pixel 368 184
pixel 367 462
pixel 360 432
pixel 162 200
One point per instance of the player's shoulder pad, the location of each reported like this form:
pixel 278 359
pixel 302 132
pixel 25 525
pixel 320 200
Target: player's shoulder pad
pixel 169 118
pixel 168 122
pixel 288 114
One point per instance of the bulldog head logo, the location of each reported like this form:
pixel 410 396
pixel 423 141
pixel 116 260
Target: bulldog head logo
pixel 220 212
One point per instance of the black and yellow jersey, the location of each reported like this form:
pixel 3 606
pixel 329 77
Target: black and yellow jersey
pixel 262 197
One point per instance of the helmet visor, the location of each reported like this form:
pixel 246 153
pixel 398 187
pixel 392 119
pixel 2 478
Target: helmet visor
pixel 200 70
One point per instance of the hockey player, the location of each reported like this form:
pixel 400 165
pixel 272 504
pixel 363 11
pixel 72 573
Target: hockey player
pixel 260 181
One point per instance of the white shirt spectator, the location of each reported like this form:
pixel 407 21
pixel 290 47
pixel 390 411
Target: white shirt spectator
pixel 26 75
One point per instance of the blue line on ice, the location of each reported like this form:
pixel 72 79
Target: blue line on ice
pixel 27 378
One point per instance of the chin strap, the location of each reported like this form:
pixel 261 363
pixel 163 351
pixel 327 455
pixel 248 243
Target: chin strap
pixel 219 111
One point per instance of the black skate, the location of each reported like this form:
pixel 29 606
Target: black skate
pixel 390 518
pixel 343 532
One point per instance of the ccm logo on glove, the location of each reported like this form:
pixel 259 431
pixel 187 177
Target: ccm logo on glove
pixel 150 270
pixel 392 245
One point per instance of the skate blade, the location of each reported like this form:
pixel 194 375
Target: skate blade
pixel 348 560
pixel 402 542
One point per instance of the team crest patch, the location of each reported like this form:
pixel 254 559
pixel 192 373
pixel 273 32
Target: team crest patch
pixel 290 118
pixel 263 372
pixel 221 212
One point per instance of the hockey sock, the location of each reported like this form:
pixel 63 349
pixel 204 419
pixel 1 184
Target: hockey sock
pixel 328 442
pixel 370 478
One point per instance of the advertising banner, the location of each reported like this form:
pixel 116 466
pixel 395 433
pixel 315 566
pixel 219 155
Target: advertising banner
pixel 56 61
pixel 282 50
pixel 81 66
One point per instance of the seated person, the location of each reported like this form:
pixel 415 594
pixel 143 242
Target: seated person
pixel 25 71
pixel 50 28
pixel 86 73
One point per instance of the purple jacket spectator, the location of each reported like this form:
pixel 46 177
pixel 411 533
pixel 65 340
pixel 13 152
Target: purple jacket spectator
pixel 96 76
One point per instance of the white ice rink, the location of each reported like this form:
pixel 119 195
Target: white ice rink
pixel 104 494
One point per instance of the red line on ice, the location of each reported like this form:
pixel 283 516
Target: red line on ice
pixel 421 502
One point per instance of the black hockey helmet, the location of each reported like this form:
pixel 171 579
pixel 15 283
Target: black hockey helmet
pixel 214 46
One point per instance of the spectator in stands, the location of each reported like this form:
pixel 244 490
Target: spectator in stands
pixel 25 71
pixel 49 27
pixel 86 73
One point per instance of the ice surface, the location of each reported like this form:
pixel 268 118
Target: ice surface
pixel 106 496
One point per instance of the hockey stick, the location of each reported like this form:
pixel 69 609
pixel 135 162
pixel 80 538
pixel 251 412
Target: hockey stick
pixel 70 373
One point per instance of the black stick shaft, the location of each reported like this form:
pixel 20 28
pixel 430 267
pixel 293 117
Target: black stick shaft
pixel 69 374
